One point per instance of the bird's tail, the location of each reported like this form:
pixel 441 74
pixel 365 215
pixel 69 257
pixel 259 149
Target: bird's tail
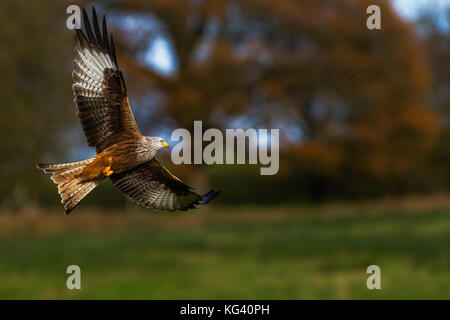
pixel 71 186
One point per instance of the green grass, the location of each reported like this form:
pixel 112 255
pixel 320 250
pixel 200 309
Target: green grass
pixel 304 255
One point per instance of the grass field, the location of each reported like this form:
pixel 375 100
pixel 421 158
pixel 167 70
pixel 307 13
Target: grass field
pixel 229 253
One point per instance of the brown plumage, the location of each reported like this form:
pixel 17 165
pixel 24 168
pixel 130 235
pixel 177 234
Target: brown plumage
pixel 123 153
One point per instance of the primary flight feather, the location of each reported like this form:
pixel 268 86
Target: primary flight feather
pixel 123 153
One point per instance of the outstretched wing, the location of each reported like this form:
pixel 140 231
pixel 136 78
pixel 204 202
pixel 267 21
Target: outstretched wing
pixel 99 87
pixel 153 186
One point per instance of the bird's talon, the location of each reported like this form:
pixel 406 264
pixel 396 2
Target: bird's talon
pixel 110 172
pixel 107 171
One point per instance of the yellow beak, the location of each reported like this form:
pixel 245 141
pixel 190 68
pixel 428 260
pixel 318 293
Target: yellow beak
pixel 165 144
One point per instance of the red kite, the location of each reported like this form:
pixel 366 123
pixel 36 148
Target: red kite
pixel 124 155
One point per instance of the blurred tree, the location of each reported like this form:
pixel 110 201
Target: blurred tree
pixel 434 27
pixel 35 91
pixel 357 97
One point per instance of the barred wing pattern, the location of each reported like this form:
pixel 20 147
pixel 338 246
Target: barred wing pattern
pixel 153 186
pixel 99 87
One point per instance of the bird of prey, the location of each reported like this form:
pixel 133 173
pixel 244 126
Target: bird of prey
pixel 124 155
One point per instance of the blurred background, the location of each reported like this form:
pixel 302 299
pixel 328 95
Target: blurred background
pixel 364 118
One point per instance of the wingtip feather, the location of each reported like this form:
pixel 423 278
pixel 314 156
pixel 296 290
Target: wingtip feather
pixel 210 196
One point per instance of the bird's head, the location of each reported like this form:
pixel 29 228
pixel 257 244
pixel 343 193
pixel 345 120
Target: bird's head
pixel 157 143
